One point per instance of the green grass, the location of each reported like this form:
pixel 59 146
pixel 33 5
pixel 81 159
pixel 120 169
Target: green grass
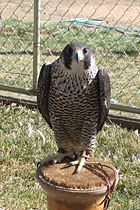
pixel 116 52
pixel 19 147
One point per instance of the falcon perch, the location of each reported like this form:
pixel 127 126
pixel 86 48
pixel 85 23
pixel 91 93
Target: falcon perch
pixel 73 96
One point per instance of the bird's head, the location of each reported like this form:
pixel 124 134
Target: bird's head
pixel 77 56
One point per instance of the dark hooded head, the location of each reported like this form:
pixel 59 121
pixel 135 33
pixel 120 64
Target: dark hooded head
pixel 79 53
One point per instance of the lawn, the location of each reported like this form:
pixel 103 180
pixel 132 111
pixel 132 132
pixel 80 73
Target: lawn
pixel 25 136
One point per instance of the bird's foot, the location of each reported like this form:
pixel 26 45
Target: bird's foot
pixel 56 158
pixel 80 162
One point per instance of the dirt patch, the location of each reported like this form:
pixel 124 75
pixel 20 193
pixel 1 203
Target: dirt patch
pixel 117 13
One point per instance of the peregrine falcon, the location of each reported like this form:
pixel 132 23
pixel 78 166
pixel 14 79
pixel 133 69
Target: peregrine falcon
pixel 73 96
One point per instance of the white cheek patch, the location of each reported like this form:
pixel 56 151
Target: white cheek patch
pixel 93 68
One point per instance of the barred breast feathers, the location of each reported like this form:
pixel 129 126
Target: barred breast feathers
pixel 66 80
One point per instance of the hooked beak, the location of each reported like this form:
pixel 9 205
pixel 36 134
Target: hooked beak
pixel 79 56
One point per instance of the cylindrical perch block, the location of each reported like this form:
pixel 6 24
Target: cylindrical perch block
pixel 88 190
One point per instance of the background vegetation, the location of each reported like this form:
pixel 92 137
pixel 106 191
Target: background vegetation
pixel 24 136
pixel 118 52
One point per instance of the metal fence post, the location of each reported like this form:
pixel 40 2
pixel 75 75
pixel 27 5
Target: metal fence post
pixel 36 43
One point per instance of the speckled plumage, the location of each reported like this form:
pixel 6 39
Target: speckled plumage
pixel 74 97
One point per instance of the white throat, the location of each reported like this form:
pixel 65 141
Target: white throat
pixel 77 68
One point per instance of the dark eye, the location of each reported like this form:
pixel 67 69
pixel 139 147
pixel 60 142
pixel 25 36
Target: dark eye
pixel 69 51
pixel 85 50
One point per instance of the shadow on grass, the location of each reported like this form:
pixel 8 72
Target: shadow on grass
pixel 28 52
pixel 127 52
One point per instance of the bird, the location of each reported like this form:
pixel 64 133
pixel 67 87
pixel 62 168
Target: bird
pixel 73 96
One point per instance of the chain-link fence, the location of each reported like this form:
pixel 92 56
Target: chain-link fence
pixel 111 28
pixel 16 41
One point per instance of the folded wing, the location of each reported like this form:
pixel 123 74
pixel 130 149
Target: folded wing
pixel 43 88
pixel 104 97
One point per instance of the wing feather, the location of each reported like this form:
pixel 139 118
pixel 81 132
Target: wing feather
pixel 43 88
pixel 104 97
